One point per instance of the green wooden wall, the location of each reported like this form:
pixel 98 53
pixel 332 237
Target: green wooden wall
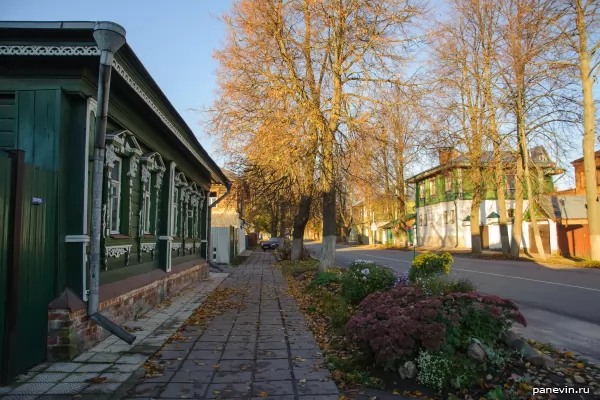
pixel 7 120
pixel 5 199
pixel 38 126
pixel 540 185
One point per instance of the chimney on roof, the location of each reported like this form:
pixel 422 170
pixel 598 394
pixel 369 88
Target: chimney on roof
pixel 447 154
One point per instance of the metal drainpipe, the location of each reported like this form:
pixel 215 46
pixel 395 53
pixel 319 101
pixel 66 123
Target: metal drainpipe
pixel 109 37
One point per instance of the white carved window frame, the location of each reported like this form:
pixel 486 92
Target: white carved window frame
pixel 121 145
pixel 197 198
pixel 449 182
pixel 115 182
pixel 432 187
pixel 175 214
pixel 153 170
pixel 146 205
pixel 181 198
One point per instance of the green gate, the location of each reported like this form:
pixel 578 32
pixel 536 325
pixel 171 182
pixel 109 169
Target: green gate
pixel 38 263
pixel 5 226
pixel 27 265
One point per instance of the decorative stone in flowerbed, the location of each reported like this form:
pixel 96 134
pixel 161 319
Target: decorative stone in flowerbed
pixel 423 335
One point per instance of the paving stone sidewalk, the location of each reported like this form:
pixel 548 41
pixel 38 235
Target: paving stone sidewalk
pixel 113 361
pixel 263 351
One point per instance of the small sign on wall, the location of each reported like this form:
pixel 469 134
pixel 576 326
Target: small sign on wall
pixel 36 201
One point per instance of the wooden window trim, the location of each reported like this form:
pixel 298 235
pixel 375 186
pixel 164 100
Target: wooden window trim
pixel 119 198
pixel 175 208
pixel 146 207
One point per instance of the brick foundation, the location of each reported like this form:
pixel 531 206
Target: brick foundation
pixel 70 332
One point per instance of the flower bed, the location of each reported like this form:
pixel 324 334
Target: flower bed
pixel 423 334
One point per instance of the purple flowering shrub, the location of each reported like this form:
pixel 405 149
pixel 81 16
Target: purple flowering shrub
pixel 402 279
pixel 396 324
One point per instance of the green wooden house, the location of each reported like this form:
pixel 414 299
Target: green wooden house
pixel 444 196
pixel 157 176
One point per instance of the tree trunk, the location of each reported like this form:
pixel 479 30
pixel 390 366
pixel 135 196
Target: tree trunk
pixel 501 196
pixel 328 244
pixel 327 260
pixel 517 230
pixel 274 220
pixel 530 198
pixel 589 158
pixel 531 201
pixel 282 227
pixel 401 202
pixel 476 240
pixel 300 221
pixel 498 164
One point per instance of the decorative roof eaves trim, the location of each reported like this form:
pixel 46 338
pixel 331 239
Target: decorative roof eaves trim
pixel 31 50
pixel 435 171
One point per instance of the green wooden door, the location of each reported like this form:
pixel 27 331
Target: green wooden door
pixel 38 260
pixel 5 224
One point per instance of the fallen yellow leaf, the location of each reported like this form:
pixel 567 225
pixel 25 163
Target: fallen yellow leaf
pixel 580 365
pixel 395 392
pixel 263 394
pixel 569 354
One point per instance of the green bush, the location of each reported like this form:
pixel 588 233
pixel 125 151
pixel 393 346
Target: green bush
pixel 295 268
pixel 589 264
pixel 326 278
pixel 442 285
pixel 428 264
pixel 365 277
pixel 336 309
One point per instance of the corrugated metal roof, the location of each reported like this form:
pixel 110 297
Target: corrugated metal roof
pixel 564 207
pixel 507 158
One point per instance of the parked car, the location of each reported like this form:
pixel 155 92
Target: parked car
pixel 270 244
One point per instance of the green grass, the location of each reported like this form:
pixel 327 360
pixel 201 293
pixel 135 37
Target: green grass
pixel 296 268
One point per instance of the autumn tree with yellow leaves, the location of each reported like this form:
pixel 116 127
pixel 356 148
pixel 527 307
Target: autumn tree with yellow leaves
pixel 294 74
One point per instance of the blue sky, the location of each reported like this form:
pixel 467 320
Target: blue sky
pixel 174 39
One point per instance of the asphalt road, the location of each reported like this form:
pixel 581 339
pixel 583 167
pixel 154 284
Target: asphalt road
pixel 561 305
